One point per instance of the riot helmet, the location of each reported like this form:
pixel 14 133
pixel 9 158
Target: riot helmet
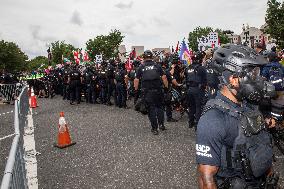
pixel 244 63
pixel 148 54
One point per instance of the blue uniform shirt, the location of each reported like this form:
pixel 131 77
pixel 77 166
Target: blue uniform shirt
pixel 215 129
pixel 266 68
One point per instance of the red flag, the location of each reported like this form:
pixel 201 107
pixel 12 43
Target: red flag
pixel 177 47
pixel 86 57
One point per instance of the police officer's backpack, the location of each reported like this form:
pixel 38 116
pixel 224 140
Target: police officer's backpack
pixel 150 72
pixel 192 74
pixel 141 106
pixel 119 76
pixel 276 77
pixel 251 154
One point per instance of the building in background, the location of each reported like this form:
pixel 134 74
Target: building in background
pixel 139 50
pixel 251 36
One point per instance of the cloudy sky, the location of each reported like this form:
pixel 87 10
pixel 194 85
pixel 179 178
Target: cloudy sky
pixel 33 24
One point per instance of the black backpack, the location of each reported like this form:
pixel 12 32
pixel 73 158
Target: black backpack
pixel 192 74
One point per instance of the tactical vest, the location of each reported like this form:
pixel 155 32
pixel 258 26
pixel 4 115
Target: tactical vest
pixel 65 76
pixel 193 78
pixel 150 72
pixel 119 76
pixel 102 74
pixel 251 154
pixel 75 75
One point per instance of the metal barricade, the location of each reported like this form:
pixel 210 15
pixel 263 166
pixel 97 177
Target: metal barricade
pixel 9 92
pixel 15 172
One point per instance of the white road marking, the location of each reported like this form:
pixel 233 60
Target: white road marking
pixel 7 136
pixel 6 113
pixel 30 153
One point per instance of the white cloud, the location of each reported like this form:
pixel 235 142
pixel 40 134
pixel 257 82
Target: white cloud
pixel 33 24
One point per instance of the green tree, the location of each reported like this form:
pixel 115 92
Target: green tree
pixel 199 32
pixel 107 45
pixel 59 49
pixel 12 59
pixel 275 21
pixel 38 62
pixel 224 39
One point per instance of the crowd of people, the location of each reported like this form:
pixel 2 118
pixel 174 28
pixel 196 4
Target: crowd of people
pixel 226 92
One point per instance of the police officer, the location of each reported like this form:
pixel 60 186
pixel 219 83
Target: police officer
pixel 196 81
pixel 152 78
pixel 274 72
pixel 121 81
pixel 75 80
pixel 87 75
pixel 103 83
pixel 110 81
pixel 93 89
pixel 233 147
pixel 66 93
pixel 212 80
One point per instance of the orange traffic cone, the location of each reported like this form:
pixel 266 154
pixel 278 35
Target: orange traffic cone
pixel 64 139
pixel 33 102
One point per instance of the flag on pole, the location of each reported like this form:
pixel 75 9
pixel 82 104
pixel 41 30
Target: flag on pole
pixel 177 47
pixel 184 54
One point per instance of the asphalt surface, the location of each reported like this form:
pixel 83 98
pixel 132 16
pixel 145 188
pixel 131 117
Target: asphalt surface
pixel 6 128
pixel 115 149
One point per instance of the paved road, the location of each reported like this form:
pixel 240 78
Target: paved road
pixel 114 149
pixel 6 128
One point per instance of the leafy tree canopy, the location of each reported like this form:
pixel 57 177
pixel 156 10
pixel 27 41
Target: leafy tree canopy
pixel 38 62
pixel 61 49
pixel 275 21
pixel 107 45
pixel 12 59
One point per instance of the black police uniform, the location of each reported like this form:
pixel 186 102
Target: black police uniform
pixel 110 83
pixel 75 86
pixel 212 80
pixel 219 130
pixel 121 87
pixel 152 91
pixel 196 81
pixel 66 92
pixel 103 85
pixel 87 81
pixel 93 92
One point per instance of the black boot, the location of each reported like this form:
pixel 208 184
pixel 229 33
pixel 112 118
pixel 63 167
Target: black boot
pixel 162 127
pixel 155 131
